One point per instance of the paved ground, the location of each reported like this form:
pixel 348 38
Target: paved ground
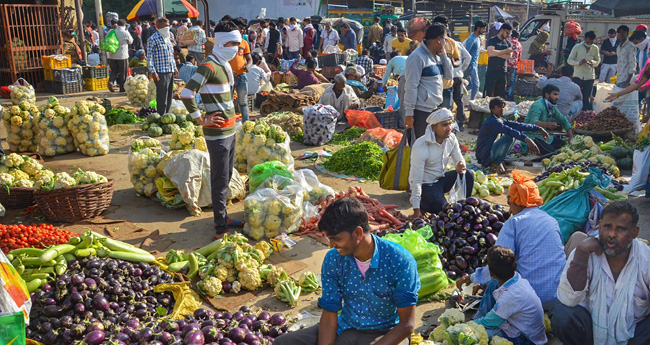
pixel 189 232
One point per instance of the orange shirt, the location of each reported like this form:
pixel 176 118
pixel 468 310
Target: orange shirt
pixel 239 62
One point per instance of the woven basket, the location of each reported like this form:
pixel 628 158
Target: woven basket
pixel 76 203
pixel 17 198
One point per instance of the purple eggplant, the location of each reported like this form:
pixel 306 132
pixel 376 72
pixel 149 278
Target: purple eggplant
pixel 461 262
pixel 472 201
pixel 468 250
pixel 94 337
pixel 491 238
pixel 278 319
pixel 195 337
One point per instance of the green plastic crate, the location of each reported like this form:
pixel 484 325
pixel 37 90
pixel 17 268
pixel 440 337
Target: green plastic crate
pixel 12 329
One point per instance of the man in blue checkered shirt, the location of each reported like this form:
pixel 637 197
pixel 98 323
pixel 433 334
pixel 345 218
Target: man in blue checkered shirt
pixel 366 62
pixel 162 65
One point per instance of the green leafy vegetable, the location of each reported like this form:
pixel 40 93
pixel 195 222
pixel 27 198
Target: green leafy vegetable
pixel 347 137
pixel 122 116
pixel 362 160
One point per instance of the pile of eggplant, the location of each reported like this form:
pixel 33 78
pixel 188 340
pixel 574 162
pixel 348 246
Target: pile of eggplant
pixel 464 231
pixel 97 298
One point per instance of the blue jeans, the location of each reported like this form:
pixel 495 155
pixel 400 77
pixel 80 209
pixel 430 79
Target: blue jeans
pixel 447 98
pixel 292 55
pixel 474 81
pixel 512 80
pixel 501 148
pixel 241 86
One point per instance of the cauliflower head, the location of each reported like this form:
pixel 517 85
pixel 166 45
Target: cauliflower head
pixel 265 248
pixel 497 340
pixel 250 279
pixel 6 179
pixel 63 180
pixel 236 287
pixel 24 183
pixel 451 317
pixel 211 286
pixel 31 166
pixel 18 174
pixel 13 160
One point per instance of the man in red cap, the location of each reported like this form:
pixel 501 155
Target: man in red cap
pixel 642 27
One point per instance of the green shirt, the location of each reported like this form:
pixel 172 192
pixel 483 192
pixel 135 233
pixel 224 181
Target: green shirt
pixel 539 112
pixel 211 80
pixel 137 63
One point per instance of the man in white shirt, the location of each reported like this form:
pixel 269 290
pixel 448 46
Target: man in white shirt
pixel 328 37
pixel 626 53
pixel 256 77
pixel 604 292
pixel 388 41
pixel 294 39
pixel 119 61
pixel 429 157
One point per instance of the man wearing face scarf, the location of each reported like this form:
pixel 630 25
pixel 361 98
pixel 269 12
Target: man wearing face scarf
pixel 544 113
pixel 429 157
pixel 534 237
pixel 162 65
pixel 214 80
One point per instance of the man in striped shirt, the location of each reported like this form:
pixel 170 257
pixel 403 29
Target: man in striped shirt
pixel 214 80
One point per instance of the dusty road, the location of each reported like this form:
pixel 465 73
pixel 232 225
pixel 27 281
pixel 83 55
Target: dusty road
pixel 190 232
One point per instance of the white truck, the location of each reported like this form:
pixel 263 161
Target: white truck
pixel 557 14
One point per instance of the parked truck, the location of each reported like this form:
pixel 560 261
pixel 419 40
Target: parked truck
pixel 556 15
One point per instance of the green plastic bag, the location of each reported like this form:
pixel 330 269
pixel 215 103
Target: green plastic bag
pixel 571 208
pixel 432 277
pixel 266 170
pixel 110 43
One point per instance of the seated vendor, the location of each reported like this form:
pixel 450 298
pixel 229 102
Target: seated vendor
pixel 517 315
pixel 353 77
pixel 544 113
pixel 309 76
pixel 340 96
pixel 535 238
pixel 370 285
pixel 490 151
pixel 604 289
pixel 569 102
pixel 429 156
pixel 139 59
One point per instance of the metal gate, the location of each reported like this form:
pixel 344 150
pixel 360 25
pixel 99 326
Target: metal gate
pixel 27 32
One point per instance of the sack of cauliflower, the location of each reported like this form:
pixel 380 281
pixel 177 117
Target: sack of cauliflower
pixel 139 90
pixel 22 91
pixel 314 189
pixel 20 121
pixel 54 137
pixel 262 143
pixel 144 156
pixel 89 128
pixel 269 212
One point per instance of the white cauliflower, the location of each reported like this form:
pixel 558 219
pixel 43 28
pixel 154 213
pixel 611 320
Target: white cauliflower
pixel 211 286
pixel 13 160
pixel 63 180
pixel 6 179
pixel 250 279
pixel 24 183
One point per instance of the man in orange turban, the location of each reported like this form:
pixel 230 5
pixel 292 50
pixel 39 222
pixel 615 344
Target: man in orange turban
pixel 535 238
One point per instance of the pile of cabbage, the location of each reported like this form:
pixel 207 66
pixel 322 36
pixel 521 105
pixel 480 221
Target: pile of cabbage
pixel 89 128
pixel 54 137
pixel 144 156
pixel 275 207
pixel 20 121
pixel 140 90
pixel 259 142
pixel 22 93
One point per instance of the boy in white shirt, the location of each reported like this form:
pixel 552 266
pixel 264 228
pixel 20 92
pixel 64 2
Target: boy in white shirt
pixel 256 77
pixel 517 315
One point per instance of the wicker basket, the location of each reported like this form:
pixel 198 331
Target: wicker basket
pixel 75 203
pixel 17 198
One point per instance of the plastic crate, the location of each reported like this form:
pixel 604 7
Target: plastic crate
pixel 12 328
pixel 64 87
pixel 380 70
pixel 331 60
pixel 56 61
pixel 388 119
pixel 525 67
pixel 483 58
pixel 328 72
pixel 527 88
pixel 66 74
pixel 140 70
pixel 96 72
pixel 48 74
pixel 95 84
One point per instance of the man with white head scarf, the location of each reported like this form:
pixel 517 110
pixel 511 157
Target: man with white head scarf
pixel 429 156
pixel 214 80
pixel 340 96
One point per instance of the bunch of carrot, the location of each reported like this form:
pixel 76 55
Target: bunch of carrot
pixel 380 217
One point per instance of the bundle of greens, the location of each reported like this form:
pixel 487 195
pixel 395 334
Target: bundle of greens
pixel 362 160
pixel 117 116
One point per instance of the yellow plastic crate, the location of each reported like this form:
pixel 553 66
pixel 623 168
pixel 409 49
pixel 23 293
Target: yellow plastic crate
pixel 48 74
pixel 56 61
pixel 483 58
pixel 92 84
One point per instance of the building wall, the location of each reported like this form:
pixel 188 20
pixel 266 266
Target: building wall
pixel 250 9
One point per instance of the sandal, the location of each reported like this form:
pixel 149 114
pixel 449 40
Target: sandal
pixel 233 223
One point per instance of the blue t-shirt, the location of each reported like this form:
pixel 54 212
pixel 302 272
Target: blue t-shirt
pixel 473 46
pixel 391 282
